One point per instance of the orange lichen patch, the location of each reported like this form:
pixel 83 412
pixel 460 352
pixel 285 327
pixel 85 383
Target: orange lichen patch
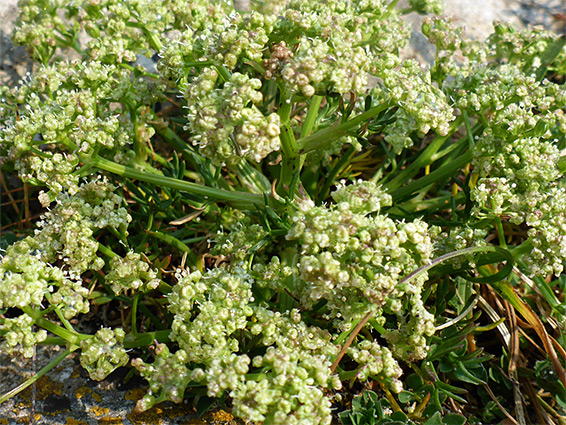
pixel 110 421
pixel 71 421
pixel 197 421
pixel 222 416
pixel 157 413
pixel 36 417
pixel 135 394
pixel 44 387
pixel 81 391
pixel 76 373
pixel 147 417
pixel 97 397
pixel 99 411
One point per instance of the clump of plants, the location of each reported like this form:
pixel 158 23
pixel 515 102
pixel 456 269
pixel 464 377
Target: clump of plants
pixel 288 214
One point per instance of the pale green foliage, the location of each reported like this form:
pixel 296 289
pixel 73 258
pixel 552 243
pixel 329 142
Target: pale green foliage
pixel 70 107
pixel 238 243
pixel 255 109
pixel 25 278
pixel 64 237
pixel 66 232
pixel 168 376
pixel 421 104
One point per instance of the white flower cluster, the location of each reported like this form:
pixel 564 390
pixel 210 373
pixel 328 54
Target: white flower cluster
pixel 19 337
pixel 513 174
pixel 27 275
pixel 327 47
pixel 338 44
pixel 376 360
pixel 292 373
pixel 131 272
pixel 168 377
pixel 71 111
pixel 523 47
pixel 103 353
pixel 548 234
pixel 25 278
pixel 56 173
pixel 66 232
pixel 354 259
pixel 422 105
pixel 364 197
pixel 516 157
pixel 225 122
pixel 299 359
pixel 238 243
pixel 235 37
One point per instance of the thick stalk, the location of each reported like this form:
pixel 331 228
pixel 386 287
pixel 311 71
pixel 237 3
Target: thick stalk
pixel 291 163
pixel 424 159
pixel 146 339
pixel 312 114
pixel 325 137
pixel 71 337
pixel 242 199
pixel 443 172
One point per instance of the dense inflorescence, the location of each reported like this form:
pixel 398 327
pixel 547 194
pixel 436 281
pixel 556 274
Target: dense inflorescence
pixel 281 207
pixel 227 124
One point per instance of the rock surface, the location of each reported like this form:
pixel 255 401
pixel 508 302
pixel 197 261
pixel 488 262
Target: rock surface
pixel 66 395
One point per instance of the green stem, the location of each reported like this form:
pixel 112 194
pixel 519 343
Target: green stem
pixel 544 287
pixel 424 159
pixel 291 164
pixel 147 338
pixel 154 42
pixel 139 70
pixel 469 131
pixel 242 199
pixel 324 137
pixel 107 251
pixel 223 73
pixel 174 242
pixel 134 314
pixel 73 338
pixel 500 232
pixel 392 5
pixel 445 171
pixel 65 322
pixel 38 375
pixel 312 114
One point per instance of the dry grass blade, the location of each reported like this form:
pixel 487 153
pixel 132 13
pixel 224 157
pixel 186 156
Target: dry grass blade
pixel 505 412
pixel 350 339
pixel 508 293
pixel 8 192
pixel 513 360
pixel 538 326
pixel 187 218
